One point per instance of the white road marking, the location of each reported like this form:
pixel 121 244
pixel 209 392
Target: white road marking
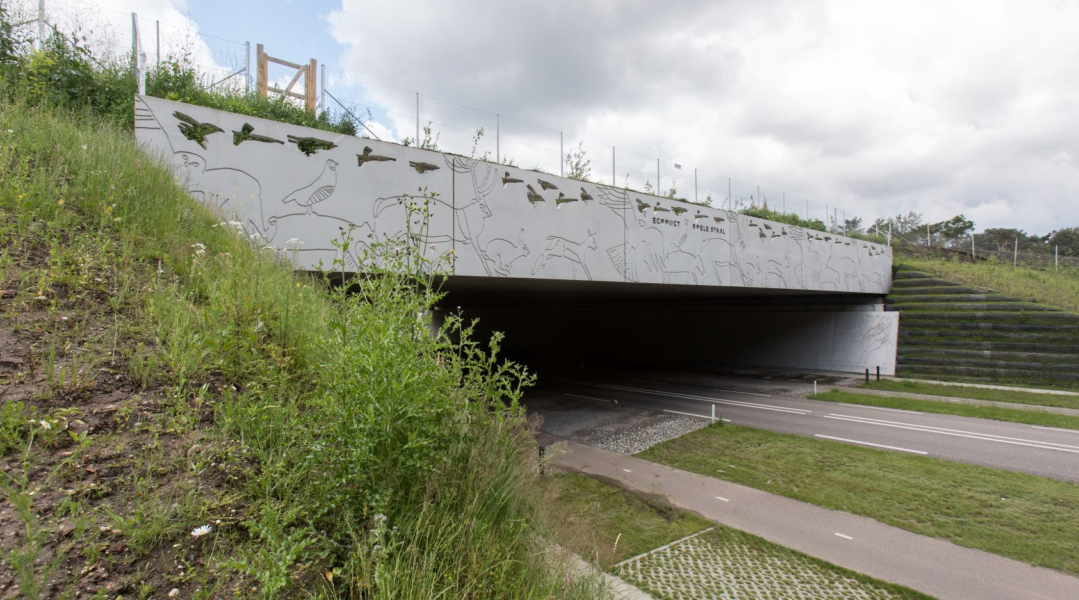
pixel 713 389
pixel 987 437
pixel 693 415
pixel 722 498
pixel 1056 429
pixel 586 397
pixel 846 537
pixel 839 439
pixel 784 409
pixel 899 410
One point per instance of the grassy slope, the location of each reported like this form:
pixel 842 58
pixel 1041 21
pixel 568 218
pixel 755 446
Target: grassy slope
pixel 955 391
pixel 1024 517
pixel 1059 289
pixel 161 374
pixel 1030 417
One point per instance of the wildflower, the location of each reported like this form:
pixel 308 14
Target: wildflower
pixel 11 131
pixel 200 249
pixel 201 530
pixel 45 424
pixel 294 243
pixel 84 146
pixel 432 246
pixel 60 202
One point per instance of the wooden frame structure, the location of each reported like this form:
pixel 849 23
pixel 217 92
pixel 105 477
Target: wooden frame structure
pixel 309 72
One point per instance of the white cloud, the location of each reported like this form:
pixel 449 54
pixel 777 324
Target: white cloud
pixel 935 106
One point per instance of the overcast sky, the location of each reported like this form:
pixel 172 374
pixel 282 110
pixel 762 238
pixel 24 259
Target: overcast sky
pixel 940 107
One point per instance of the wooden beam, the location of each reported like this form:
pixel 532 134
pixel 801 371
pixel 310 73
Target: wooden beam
pixel 285 63
pixel 295 78
pixel 310 85
pixel 263 84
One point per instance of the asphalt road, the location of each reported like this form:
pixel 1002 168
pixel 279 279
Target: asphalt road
pixel 1010 446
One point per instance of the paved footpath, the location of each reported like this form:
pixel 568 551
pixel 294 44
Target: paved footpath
pixel 929 565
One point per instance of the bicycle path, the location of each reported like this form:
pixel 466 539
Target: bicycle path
pixel 930 565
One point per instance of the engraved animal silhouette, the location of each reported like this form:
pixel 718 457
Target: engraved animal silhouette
pixel 310 145
pixel 533 197
pixel 245 135
pixel 506 179
pixel 718 219
pixel 422 167
pixel 367 157
pixel 560 247
pixel 641 206
pixel 501 254
pixel 547 185
pixel 701 215
pixel 678 210
pixel 318 190
pixel 194 130
pixel 562 199
pixel 585 197
pixel 659 208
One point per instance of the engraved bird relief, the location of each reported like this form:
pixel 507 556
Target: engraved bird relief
pixel 533 197
pixel 422 167
pixel 659 208
pixel 642 206
pixel 562 199
pixel 367 157
pixel 767 226
pixel 678 210
pixel 320 189
pixel 547 185
pixel 585 197
pixel 701 215
pixel 506 179
pixel 718 219
pixel 310 145
pixel 245 135
pixel 194 130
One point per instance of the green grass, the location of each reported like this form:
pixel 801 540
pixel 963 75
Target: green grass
pixel 1027 518
pixel 601 513
pixel 1030 417
pixel 1059 289
pixel 955 391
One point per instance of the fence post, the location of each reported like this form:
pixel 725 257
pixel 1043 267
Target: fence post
pixel 973 250
pixel 157 26
pixel 807 210
pixel 138 57
pixel 1015 256
pixel 561 155
pixel 417 119
pixel 498 138
pixel 1056 257
pixel 40 24
pixel 730 199
pixel 614 177
pixel 262 87
pixel 694 184
pixel 310 86
pixel 658 192
pixel 322 88
pixel 247 69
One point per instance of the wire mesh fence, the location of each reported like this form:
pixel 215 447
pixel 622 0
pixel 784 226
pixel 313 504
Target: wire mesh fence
pixel 393 114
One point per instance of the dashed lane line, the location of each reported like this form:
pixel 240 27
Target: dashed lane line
pixel 693 415
pixel 795 411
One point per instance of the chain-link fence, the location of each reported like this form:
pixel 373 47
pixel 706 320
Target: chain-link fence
pixel 393 114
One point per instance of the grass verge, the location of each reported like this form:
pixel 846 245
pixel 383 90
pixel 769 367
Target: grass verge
pixel 975 393
pixel 1030 417
pixel 613 524
pixel 1020 516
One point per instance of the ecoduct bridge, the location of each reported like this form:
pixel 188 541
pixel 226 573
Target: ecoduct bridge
pixel 570 270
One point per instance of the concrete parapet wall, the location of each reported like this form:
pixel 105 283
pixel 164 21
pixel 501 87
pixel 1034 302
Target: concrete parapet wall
pixel 287 182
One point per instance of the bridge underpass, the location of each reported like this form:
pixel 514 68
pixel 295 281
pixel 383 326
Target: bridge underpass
pixel 570 270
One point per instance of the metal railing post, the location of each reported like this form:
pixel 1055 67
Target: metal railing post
pixel 561 155
pixel 498 139
pixel 417 119
pixel 614 177
pixel 247 69
pixel 322 89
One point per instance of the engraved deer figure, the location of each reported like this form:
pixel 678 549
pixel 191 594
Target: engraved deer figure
pixel 560 247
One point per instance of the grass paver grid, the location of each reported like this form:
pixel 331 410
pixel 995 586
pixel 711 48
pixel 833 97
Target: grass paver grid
pixel 725 563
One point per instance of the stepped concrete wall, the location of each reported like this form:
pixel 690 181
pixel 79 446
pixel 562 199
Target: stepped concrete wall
pixel 298 187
